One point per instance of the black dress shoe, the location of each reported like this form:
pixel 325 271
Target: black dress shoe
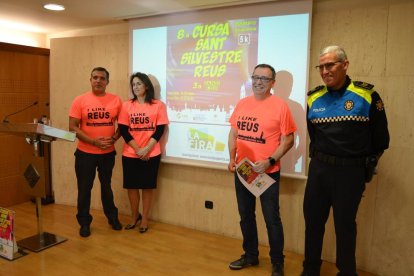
pixel 132 226
pixel 243 262
pixel 277 270
pixel 85 231
pixel 309 273
pixel 116 225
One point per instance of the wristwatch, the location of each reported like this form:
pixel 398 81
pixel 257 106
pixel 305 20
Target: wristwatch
pixel 272 161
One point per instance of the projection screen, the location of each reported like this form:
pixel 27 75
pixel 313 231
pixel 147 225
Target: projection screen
pixel 201 62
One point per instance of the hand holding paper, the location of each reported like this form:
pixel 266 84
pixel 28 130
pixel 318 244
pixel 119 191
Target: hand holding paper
pixel 255 182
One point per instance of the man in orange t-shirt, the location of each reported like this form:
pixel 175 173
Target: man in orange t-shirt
pixel 262 129
pixel 93 117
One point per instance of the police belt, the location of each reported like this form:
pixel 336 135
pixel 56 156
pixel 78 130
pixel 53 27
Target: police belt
pixel 339 161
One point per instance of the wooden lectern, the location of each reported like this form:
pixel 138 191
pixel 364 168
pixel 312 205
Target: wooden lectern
pixel 33 173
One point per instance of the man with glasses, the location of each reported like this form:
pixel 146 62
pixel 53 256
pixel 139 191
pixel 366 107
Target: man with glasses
pixel 348 133
pixel 262 129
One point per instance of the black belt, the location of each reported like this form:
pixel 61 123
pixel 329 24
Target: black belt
pixel 339 161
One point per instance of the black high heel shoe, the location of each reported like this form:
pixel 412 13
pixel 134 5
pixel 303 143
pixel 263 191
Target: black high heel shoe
pixel 142 230
pixel 132 226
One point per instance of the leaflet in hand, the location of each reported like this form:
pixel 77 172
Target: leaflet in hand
pixel 255 182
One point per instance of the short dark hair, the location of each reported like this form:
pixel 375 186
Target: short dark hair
pixel 150 91
pixel 101 69
pixel 264 65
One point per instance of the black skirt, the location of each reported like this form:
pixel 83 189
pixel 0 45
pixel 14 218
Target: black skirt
pixel 139 174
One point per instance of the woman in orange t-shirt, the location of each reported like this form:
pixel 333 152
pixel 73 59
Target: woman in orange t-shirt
pixel 142 121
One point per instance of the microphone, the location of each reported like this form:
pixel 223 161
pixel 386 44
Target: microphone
pixel 21 110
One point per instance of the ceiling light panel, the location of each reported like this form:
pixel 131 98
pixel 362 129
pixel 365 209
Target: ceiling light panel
pixel 54 7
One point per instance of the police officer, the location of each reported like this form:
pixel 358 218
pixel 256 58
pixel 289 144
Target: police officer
pixel 348 132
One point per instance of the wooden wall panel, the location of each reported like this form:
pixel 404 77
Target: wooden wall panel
pixel 24 79
pixel 72 60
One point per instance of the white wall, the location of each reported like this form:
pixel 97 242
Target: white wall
pixel 13 36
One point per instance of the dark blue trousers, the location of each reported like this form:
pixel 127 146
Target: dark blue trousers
pixel 339 187
pixel 86 165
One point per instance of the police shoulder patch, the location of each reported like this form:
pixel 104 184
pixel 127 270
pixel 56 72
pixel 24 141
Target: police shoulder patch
pixel 316 89
pixel 364 85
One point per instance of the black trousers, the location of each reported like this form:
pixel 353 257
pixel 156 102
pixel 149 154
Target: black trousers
pixel 86 165
pixel 339 187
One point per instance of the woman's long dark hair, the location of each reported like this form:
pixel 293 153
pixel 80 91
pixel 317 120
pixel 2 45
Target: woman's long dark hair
pixel 149 88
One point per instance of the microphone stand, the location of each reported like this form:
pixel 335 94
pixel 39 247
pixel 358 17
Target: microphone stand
pixel 5 119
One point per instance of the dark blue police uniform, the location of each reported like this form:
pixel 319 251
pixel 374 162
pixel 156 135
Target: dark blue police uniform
pixel 346 127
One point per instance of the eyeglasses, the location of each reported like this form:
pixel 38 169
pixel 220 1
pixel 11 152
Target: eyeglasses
pixel 263 79
pixel 328 66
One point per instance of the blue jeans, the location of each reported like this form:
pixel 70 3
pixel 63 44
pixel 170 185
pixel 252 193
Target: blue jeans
pixel 86 165
pixel 269 200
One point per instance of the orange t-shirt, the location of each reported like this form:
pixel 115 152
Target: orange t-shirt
pixel 97 117
pixel 142 120
pixel 260 125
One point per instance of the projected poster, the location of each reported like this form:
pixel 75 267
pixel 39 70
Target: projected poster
pixel 204 69
pixel 203 63
pixel 202 59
